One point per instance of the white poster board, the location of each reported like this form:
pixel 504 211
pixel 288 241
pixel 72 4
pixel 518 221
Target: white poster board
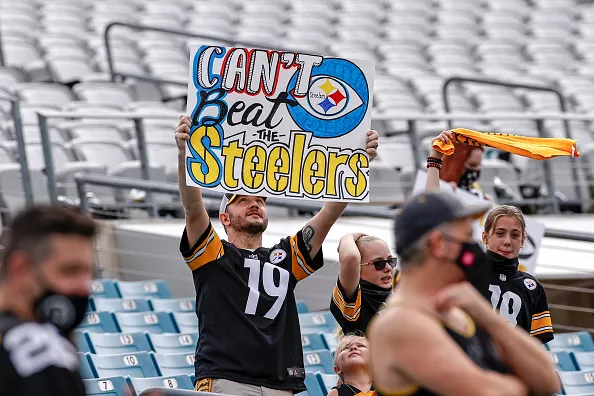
pixel 279 124
pixel 534 229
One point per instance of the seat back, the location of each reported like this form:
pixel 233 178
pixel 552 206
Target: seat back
pixel 320 360
pixel 170 382
pixel 151 322
pixel 328 381
pixel 81 341
pixel 118 343
pixel 173 304
pixel 174 343
pixel 151 289
pixel 576 382
pixel 312 342
pixel 107 386
pixel 139 364
pixel 563 360
pixel 104 288
pixel 584 360
pixel 175 363
pixel 85 369
pixel 315 322
pixel 122 304
pixel 580 341
pixel 313 385
pixel 187 322
pixel 99 322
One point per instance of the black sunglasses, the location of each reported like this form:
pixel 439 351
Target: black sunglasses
pixel 381 263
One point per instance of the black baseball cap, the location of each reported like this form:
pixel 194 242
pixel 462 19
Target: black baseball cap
pixel 228 199
pixel 423 212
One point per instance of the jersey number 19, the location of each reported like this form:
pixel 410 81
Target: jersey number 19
pixel 270 288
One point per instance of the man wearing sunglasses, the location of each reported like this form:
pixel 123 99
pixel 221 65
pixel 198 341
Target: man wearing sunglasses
pixel 367 270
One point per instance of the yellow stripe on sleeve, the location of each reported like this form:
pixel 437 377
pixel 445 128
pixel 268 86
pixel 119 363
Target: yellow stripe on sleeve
pixel 209 250
pixel 299 266
pixel 350 311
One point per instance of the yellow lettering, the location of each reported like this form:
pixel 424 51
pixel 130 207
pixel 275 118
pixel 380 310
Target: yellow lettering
pixel 278 169
pixel 314 168
pixel 231 153
pixel 208 168
pixel 356 185
pixel 334 162
pixel 254 164
pixel 298 149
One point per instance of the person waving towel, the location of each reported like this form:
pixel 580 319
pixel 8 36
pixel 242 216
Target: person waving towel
pixel 531 147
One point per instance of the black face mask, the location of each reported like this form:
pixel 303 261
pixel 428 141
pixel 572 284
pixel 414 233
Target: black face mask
pixel 501 264
pixel 472 260
pixel 468 178
pixel 64 312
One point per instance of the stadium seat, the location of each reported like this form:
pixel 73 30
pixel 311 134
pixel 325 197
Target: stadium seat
pixel 81 342
pixel 99 322
pixel 187 322
pixel 104 288
pixel 314 322
pixel 331 341
pixel 151 289
pixel 328 381
pixel 107 386
pixel 139 364
pixel 311 342
pixel 580 341
pixel 151 322
pixel 173 382
pixel 320 360
pixel 175 363
pixel 584 360
pixel 313 385
pixel 118 343
pixel 122 304
pixel 85 369
pixel 302 307
pixel 173 304
pixel 174 343
pixel 564 361
pixel 576 382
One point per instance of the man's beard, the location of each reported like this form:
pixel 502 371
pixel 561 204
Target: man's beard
pixel 242 224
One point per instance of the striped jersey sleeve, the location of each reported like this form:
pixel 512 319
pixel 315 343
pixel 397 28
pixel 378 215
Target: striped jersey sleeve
pixel 302 264
pixel 346 310
pixel 541 325
pixel 208 248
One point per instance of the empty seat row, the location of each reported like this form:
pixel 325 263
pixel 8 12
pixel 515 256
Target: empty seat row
pixel 579 341
pixel 573 361
pixel 113 288
pixel 141 304
pixel 131 322
pixel 132 386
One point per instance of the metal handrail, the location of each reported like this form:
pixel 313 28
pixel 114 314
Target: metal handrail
pixel 532 87
pixel 15 109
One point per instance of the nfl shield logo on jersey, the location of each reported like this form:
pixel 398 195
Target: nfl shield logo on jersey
pixel 502 277
pixel 530 284
pixel 277 255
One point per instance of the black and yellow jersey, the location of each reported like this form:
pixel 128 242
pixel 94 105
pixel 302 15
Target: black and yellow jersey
pixel 36 360
pixel 353 314
pixel 350 390
pixel 247 317
pixel 522 301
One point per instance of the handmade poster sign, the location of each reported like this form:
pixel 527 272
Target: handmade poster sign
pixel 279 124
pixel 534 229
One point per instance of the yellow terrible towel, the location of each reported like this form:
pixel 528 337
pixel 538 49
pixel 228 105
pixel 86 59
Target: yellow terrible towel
pixel 532 147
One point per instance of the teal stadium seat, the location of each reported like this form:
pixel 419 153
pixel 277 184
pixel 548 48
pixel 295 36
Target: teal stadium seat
pixel 302 307
pixel 156 288
pixel 174 304
pixel 118 343
pixel 85 369
pixel 108 386
pixel 584 360
pixel 104 288
pixel 122 304
pixel 175 363
pixel 311 342
pixel 328 381
pixel 90 305
pixel 576 382
pixel 99 322
pixel 331 341
pixel 314 388
pixel 187 322
pixel 317 322
pixel 580 341
pixel 174 343
pixel 563 360
pixel 171 382
pixel 320 360
pixel 151 322
pixel 81 341
pixel 138 364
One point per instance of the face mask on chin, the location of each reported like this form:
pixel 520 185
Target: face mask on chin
pixel 468 178
pixel 65 312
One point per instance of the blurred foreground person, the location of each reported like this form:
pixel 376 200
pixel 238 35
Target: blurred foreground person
pixel 439 336
pixel 47 263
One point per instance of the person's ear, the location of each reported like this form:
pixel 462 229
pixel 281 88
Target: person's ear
pixel 523 240
pixel 337 371
pixel 224 218
pixel 484 237
pixel 435 245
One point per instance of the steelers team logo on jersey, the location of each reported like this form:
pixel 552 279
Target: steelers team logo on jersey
pixel 277 255
pixel 530 284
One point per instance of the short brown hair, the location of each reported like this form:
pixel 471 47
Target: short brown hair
pixel 32 228
pixel 501 211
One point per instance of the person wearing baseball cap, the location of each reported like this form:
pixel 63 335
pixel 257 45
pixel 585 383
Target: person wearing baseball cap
pixel 249 335
pixel 438 335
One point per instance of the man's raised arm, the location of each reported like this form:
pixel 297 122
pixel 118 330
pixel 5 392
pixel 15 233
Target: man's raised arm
pixel 316 230
pixel 197 219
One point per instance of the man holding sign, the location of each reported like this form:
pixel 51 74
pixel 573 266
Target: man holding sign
pixel 250 340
